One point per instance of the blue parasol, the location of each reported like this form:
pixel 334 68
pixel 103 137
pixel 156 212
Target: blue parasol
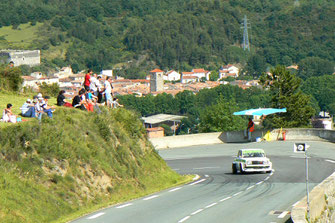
pixel 260 111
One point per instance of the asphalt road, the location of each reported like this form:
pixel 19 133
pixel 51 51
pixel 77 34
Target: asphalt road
pixel 219 196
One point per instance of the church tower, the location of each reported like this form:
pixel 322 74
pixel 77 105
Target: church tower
pixel 156 80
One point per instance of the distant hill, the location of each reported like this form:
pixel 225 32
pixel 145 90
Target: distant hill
pixel 168 33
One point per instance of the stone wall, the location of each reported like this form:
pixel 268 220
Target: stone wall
pixel 23 57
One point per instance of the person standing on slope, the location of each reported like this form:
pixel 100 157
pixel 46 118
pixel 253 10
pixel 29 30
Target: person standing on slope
pixel 87 81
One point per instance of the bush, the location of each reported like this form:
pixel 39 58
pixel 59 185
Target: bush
pixel 10 78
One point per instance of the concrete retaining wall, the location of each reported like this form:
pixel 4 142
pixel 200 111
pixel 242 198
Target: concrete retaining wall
pixel 238 137
pixel 186 140
pixel 320 198
pixel 309 134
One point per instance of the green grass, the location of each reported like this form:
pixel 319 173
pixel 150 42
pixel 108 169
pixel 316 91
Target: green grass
pixel 21 37
pixel 75 163
pixel 17 100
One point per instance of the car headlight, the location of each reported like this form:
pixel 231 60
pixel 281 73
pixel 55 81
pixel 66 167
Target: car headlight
pixel 249 162
pixel 266 162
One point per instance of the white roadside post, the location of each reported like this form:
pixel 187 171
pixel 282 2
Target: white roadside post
pixel 302 148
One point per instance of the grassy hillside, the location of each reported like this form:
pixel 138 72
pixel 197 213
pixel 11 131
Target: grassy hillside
pixel 75 163
pixel 21 37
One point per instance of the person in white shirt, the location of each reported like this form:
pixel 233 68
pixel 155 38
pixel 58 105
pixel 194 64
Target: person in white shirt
pixel 28 109
pixel 115 103
pixel 108 91
pixel 94 84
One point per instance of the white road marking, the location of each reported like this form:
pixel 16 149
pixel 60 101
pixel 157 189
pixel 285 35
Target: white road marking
pixel 206 176
pixel 300 157
pixel 271 173
pixel 260 182
pixel 211 205
pixel 282 215
pixel 198 211
pixel 149 198
pixel 237 193
pixel 199 181
pixel 266 178
pixel 125 205
pixel 207 167
pixel 175 189
pixel 331 161
pixel 184 219
pixel 176 169
pixel 224 199
pixel 95 216
pixel 250 187
pixel 295 204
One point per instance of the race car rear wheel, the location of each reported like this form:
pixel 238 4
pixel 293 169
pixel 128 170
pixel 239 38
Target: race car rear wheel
pixel 234 168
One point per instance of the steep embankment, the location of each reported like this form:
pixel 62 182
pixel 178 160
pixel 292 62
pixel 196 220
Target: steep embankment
pixel 74 163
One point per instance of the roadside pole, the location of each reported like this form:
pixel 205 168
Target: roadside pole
pixel 302 148
pixel 307 190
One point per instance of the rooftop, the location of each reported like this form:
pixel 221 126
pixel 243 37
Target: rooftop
pixel 154 119
pixel 156 70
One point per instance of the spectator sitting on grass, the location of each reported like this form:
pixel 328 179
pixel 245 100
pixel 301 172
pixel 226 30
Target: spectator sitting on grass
pixel 61 101
pixel 77 101
pixel 28 109
pixel 42 107
pixel 115 103
pixel 90 98
pixel 46 108
pixel 38 108
pixel 7 115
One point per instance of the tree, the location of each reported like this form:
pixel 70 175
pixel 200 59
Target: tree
pixel 214 76
pixel 186 102
pixel 10 78
pixel 285 91
pixel 49 89
pixel 314 66
pixel 256 65
pixel 219 117
pixel 322 89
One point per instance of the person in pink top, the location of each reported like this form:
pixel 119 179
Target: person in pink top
pixel 87 81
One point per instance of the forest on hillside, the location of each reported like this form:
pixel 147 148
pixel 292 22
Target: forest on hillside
pixel 137 35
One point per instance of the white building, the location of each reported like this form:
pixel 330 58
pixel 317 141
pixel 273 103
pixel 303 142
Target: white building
pixel 108 73
pixel 64 72
pixel 48 80
pixel 30 82
pixel 65 82
pixel 37 75
pixel 200 73
pixel 228 71
pixel 172 76
pixel 189 79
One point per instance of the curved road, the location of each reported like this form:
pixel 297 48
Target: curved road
pixel 219 196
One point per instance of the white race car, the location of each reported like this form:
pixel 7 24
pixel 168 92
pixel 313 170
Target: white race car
pixel 251 160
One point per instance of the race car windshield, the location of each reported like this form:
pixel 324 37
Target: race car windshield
pixel 253 155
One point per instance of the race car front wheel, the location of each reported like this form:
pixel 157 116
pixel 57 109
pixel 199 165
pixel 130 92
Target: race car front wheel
pixel 234 167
